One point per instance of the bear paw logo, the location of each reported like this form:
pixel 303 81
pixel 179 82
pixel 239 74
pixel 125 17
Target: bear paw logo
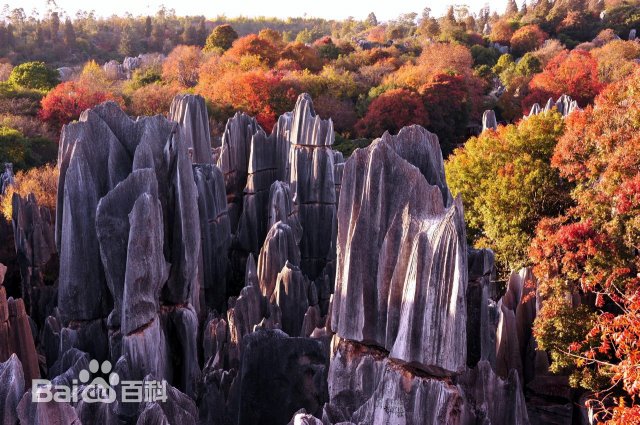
pixel 98 390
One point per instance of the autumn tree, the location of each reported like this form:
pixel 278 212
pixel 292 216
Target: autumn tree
pixel 501 32
pixel 253 45
pixel 526 39
pixel 41 181
pixel 591 252
pixel 305 56
pixel 508 185
pixel 391 111
pixel 152 99
pixel 616 60
pixel 68 100
pixel 222 37
pixel 182 66
pixel 449 101
pixel 573 73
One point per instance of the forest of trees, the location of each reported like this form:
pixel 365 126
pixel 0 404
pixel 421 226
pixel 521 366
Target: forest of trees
pixel 559 194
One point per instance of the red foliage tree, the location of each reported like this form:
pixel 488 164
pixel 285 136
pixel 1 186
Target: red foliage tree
pixel 526 39
pixel 306 57
pixel 593 251
pixel 68 100
pixel 449 100
pixel 252 44
pixel 573 73
pixel 391 111
pixel 255 92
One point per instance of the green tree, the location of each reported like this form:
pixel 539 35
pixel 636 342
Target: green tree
pixel 371 20
pixel 34 75
pixel 508 185
pixel 127 46
pixel 222 37
pixel 69 33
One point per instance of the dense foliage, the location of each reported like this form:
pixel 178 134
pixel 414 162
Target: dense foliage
pixel 592 251
pixel 508 185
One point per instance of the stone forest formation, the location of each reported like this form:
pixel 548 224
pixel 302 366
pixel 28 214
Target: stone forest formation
pixel 268 281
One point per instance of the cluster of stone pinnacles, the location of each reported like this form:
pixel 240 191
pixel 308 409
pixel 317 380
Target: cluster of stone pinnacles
pixel 356 299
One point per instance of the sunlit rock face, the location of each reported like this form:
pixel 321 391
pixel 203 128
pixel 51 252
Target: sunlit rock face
pixel 402 257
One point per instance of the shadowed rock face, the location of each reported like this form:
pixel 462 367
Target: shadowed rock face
pixel 280 375
pixel 190 111
pixel 16 338
pixel 234 161
pixel 216 235
pixel 311 178
pixel 33 230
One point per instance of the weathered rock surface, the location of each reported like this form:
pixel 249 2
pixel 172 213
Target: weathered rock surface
pixel 33 230
pixel 11 389
pixel 489 120
pixel 291 294
pixel 234 161
pixel 494 401
pixel 280 375
pixel 190 111
pixel 16 337
pixel 279 247
pixel 370 389
pixel 402 258
pixel 216 235
pixel 311 178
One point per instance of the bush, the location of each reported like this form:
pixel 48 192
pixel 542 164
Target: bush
pixel 25 152
pixel 34 75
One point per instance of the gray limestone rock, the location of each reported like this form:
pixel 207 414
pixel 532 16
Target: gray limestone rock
pixel 177 409
pixel 291 294
pixel 190 111
pixel 129 223
pixel 11 389
pixel 33 231
pixel 279 247
pixel 489 120
pixel 311 179
pixel 234 161
pixel 280 375
pixel 372 389
pixel 216 234
pixel 402 257
pixel 493 400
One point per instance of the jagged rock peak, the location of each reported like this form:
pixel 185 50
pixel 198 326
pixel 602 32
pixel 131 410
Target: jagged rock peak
pixel 401 257
pixel 307 128
pixel 421 148
pixel 190 111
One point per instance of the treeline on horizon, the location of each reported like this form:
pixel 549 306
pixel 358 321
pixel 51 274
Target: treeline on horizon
pixel 59 39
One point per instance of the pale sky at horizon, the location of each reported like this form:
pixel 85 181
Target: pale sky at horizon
pixel 329 9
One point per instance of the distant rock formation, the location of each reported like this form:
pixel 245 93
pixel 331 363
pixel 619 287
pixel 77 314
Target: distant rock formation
pixel 7 177
pixel 489 120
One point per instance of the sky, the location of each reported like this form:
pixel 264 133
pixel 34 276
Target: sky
pixel 329 9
